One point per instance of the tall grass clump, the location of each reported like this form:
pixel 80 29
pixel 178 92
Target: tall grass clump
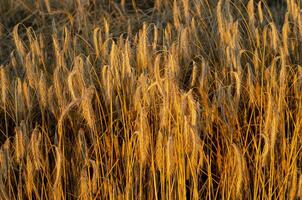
pixel 171 99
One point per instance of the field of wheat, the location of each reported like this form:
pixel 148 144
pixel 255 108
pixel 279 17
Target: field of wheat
pixel 150 99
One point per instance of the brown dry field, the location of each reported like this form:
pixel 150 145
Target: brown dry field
pixel 150 99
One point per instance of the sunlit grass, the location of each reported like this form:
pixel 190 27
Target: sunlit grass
pixel 180 99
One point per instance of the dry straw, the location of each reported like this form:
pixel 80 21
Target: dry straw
pixel 150 100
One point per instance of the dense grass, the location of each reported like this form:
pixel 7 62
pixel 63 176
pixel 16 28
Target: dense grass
pixel 164 99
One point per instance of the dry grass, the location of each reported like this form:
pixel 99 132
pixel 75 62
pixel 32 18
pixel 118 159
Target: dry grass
pixel 172 99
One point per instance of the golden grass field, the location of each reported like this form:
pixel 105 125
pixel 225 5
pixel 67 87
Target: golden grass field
pixel 150 99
